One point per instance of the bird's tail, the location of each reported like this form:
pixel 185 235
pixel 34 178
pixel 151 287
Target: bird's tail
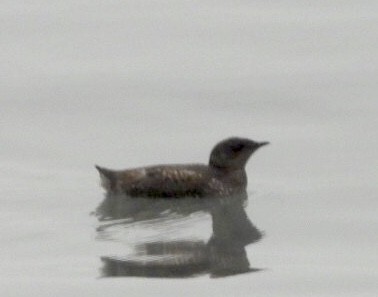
pixel 107 178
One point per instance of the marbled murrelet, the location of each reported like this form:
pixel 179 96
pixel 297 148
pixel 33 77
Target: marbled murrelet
pixel 224 175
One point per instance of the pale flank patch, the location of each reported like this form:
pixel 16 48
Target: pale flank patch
pixel 104 182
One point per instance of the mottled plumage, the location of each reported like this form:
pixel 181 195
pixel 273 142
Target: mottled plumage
pixel 224 175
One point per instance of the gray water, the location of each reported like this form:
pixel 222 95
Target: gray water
pixel 131 83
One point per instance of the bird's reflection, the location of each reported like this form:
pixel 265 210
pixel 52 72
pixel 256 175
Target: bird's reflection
pixel 223 254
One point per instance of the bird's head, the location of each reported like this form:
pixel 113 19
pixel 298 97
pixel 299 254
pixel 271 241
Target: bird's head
pixel 233 153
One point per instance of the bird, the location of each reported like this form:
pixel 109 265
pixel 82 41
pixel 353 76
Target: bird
pixel 224 175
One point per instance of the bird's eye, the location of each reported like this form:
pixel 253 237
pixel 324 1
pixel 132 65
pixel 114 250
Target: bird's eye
pixel 237 147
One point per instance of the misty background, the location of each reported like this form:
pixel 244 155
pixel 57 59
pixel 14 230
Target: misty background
pixel 131 83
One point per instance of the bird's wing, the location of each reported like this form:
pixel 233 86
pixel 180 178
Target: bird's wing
pixel 165 181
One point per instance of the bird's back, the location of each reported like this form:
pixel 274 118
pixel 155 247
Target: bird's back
pixel 158 181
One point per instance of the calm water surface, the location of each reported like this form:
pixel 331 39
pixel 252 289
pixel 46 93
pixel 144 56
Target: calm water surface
pixel 126 84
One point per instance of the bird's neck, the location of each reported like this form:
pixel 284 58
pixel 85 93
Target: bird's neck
pixel 236 177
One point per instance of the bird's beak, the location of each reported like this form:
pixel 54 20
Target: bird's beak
pixel 263 143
